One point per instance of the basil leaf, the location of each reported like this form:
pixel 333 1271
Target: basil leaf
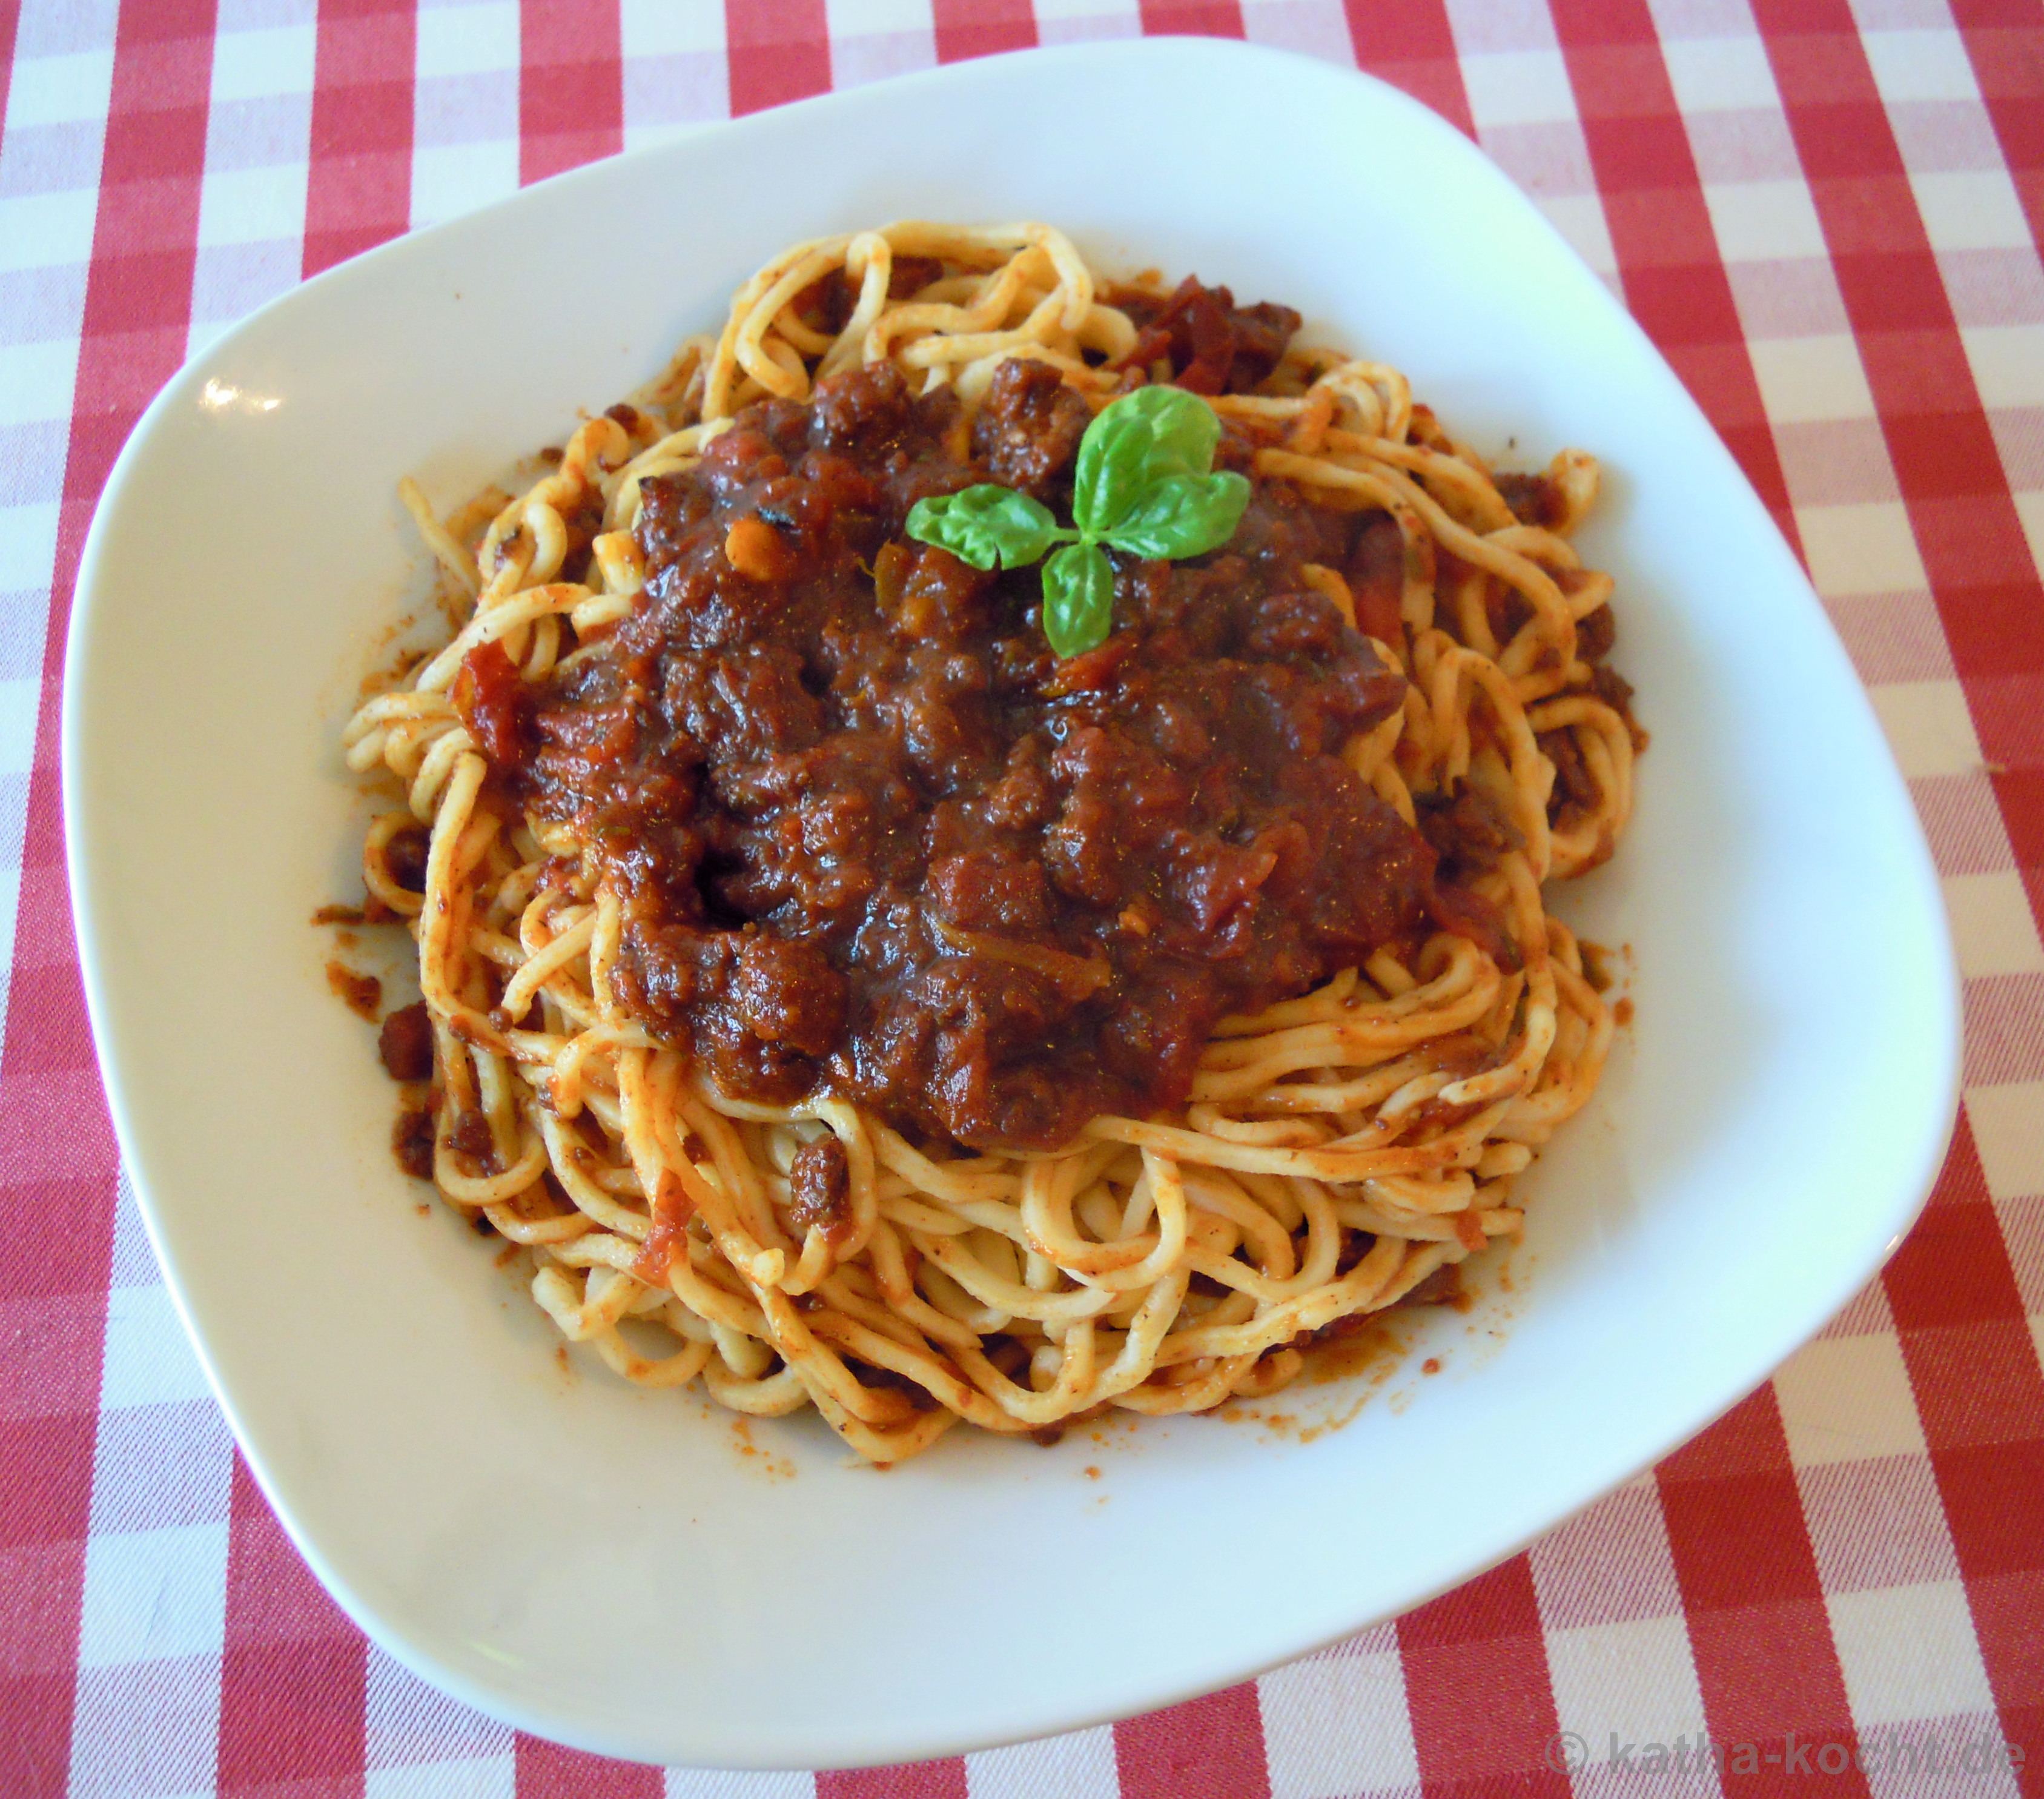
pixel 1144 438
pixel 1185 515
pixel 1113 469
pixel 1078 599
pixel 985 526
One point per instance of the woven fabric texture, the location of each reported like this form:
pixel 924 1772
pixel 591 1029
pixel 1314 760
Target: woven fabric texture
pixel 1828 216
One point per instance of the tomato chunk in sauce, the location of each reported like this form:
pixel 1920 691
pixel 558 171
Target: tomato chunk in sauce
pixel 874 838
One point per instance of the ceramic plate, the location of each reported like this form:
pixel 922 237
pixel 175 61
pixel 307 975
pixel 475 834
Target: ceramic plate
pixel 622 1570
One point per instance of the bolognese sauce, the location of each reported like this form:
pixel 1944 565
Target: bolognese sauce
pixel 873 839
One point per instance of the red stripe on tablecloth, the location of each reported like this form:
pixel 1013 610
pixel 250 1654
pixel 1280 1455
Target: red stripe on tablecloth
pixel 911 1780
pixel 981 28
pixel 1479 1691
pixel 1413 48
pixel 2021 792
pixel 1191 18
pixel 1766 1660
pixel 359 186
pixel 2006 49
pixel 45 1501
pixel 570 85
pixel 293 1678
pixel 546 1770
pixel 1668 264
pixel 779 50
pixel 1958 1309
pixel 1211 1745
pixel 136 312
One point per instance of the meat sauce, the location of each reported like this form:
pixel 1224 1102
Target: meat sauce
pixel 874 838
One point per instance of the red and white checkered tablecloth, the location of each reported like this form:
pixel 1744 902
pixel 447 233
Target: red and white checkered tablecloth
pixel 1829 217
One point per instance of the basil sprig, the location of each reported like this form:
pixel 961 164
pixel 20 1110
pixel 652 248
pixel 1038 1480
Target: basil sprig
pixel 1144 486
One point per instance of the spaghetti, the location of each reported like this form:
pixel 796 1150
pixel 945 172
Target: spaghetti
pixel 1330 1150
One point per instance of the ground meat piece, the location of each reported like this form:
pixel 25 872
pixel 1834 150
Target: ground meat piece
pixel 1576 790
pixel 1029 425
pixel 1090 671
pixel 985 891
pixel 1304 624
pixel 935 596
pixel 917 1395
pixel 1505 607
pixel 1442 1287
pixel 826 304
pixel 1534 498
pixel 583 521
pixel 1614 690
pixel 911 275
pixel 1376 579
pixel 1212 345
pixel 1469 831
pixel 1359 1244
pixel 405 854
pixel 406 1043
pixel 472 1137
pixel 412 1143
pixel 819 1190
pixel 1262 334
pixel 1464 913
pixel 860 406
pixel 1595 635
pixel 788 993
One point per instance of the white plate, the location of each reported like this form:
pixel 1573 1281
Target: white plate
pixel 604 1565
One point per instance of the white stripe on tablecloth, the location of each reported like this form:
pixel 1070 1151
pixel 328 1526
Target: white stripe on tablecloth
pixel 420 1744
pixel 1079 1765
pixel 1336 1724
pixel 57 99
pixel 871 40
pixel 464 108
pixel 153 1616
pixel 1524 107
pixel 675 74
pixel 251 210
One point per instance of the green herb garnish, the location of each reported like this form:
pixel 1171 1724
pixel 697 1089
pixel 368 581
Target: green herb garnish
pixel 1144 486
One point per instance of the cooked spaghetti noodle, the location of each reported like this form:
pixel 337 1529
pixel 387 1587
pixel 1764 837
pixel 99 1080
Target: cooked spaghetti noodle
pixel 1334 1150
